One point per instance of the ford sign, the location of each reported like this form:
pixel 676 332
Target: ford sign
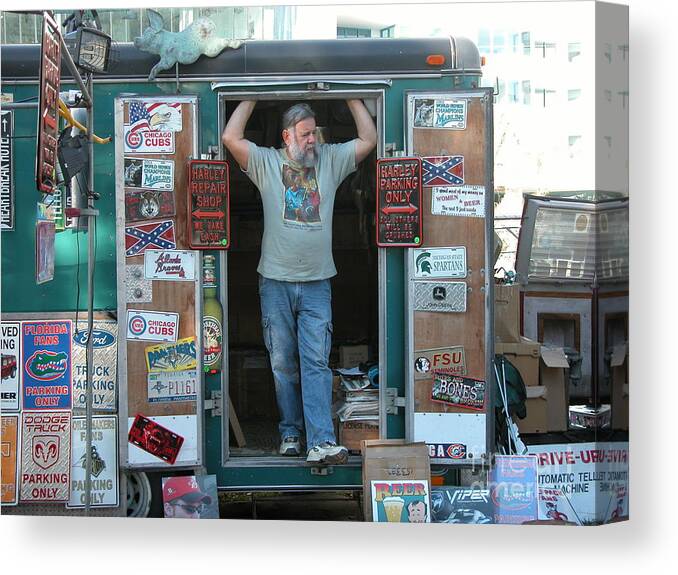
pixel 100 338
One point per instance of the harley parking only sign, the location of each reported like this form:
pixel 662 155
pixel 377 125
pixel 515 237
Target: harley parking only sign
pixel 399 220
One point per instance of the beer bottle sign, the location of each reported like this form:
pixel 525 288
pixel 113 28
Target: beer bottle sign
pixel 213 319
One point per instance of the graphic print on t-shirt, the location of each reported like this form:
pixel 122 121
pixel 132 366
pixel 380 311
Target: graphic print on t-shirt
pixel 302 197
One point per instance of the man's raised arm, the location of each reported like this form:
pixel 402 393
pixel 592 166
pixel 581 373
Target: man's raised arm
pixel 367 133
pixel 234 132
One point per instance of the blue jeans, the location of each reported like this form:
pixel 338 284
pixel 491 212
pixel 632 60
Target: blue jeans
pixel 297 322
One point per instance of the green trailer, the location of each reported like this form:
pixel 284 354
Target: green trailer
pixel 410 322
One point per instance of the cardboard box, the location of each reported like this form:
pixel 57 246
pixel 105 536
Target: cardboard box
pixel 353 433
pixel 620 388
pixel 507 313
pixel 536 404
pixel 524 356
pixel 352 355
pixel 552 377
pixel 392 459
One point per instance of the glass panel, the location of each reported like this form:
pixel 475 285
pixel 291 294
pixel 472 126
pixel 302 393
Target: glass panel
pixel 571 244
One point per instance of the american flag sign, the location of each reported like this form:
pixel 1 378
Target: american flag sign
pixel 442 171
pixel 152 236
pixel 145 116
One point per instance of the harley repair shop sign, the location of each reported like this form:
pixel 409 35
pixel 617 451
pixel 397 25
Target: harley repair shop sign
pixel 592 476
pixel 209 206
pixel 47 356
pixel 46 456
pixel 399 220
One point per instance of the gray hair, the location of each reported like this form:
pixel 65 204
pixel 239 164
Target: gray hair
pixel 296 114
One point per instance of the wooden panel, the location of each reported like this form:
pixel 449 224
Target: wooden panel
pixel 436 329
pixel 171 296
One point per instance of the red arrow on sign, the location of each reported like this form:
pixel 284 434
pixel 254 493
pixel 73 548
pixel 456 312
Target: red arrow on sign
pixel 207 214
pixel 409 209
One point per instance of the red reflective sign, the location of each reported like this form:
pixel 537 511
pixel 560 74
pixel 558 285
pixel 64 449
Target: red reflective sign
pixel 209 214
pixel 48 116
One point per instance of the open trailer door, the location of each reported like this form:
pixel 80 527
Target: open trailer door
pixel 450 276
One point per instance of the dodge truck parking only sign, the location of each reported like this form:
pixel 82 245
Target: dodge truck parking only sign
pixel 399 222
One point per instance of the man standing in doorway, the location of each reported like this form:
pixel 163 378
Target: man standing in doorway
pixel 298 184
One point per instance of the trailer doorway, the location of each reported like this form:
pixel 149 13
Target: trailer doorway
pixel 247 379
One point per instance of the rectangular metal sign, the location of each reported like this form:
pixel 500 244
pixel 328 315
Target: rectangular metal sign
pixel 174 265
pixel 10 342
pixel 104 458
pixel 399 221
pixel 155 439
pixel 44 251
pixel 47 364
pixel 152 325
pixel 447 360
pixel 455 436
pixel 104 370
pixel 466 201
pixel 6 170
pixel 154 235
pixel 459 391
pixel 172 386
pixel 440 296
pixel 513 488
pixel 461 505
pixel 48 117
pixel 178 356
pixel 450 114
pixel 9 438
pixel 148 141
pixel 398 501
pixel 439 262
pixel 209 206
pixel 149 174
pixel 45 456
pixel 148 204
pixel 137 288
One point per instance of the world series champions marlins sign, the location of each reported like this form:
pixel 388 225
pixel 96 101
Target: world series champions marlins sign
pixel 48 119
pixel 209 216
pixel 399 222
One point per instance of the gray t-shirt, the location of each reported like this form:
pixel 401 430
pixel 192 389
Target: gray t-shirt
pixel 298 206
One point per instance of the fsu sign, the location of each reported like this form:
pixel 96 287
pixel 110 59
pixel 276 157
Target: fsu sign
pixel 48 119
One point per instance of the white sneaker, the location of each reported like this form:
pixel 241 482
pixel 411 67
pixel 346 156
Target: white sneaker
pixel 329 453
pixel 290 446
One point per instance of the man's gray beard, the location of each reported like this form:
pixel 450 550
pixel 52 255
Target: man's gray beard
pixel 306 159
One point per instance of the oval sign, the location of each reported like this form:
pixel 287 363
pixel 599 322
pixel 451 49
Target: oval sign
pixel 100 338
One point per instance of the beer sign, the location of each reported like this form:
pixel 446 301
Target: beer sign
pixel 48 117
pixel 209 216
pixel 399 222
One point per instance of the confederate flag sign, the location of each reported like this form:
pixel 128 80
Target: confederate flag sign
pixel 152 236
pixel 442 171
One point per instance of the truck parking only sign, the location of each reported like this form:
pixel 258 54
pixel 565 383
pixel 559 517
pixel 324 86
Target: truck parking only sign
pixel 45 456
pixel 399 220
pixel 46 362
pixel 104 369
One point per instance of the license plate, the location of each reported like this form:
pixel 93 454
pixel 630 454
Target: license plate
pixel 440 296
pixel 459 391
pixel 155 439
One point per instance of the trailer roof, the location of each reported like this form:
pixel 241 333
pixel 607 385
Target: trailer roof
pixel 354 56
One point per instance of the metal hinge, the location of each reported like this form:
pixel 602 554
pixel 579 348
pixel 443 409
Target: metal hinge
pixel 213 403
pixel 319 86
pixel 393 401
pixel 322 470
